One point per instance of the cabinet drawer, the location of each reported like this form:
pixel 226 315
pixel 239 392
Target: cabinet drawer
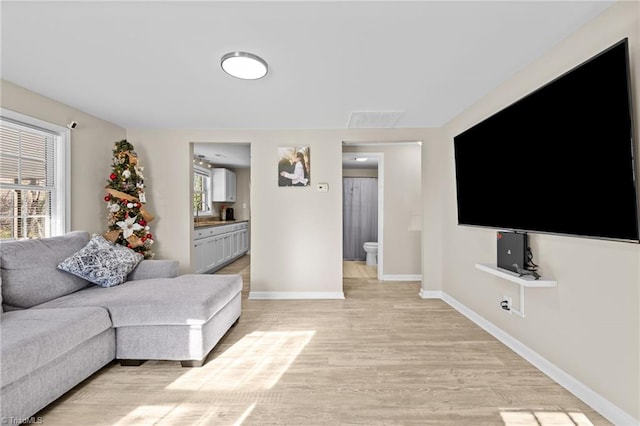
pixel 201 233
pixel 211 231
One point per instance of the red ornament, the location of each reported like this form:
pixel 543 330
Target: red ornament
pixel 142 222
pixel 149 236
pixel 143 239
pixel 129 245
pixel 107 198
pixel 112 176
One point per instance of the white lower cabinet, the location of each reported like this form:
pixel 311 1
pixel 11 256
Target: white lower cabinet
pixel 210 249
pixel 218 256
pixel 199 257
pixel 237 242
pixel 216 246
pixel 226 244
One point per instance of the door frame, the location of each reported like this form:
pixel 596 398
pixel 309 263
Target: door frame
pixel 380 157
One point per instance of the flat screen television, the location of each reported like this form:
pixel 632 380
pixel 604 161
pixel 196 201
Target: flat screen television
pixel 560 160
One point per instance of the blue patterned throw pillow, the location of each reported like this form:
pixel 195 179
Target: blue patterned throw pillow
pixel 101 262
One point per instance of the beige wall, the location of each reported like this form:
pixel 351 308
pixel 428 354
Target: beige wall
pixel 589 325
pixel 296 232
pixel 243 194
pixel 402 254
pixel 91 152
pixel 243 197
pixel 434 166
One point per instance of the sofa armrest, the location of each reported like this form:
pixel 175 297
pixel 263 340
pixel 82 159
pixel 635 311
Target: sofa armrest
pixel 155 269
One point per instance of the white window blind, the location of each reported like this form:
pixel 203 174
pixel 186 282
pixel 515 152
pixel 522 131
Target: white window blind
pixel 30 204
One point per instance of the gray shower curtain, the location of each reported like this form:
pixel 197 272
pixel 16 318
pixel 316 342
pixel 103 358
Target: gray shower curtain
pixel 359 215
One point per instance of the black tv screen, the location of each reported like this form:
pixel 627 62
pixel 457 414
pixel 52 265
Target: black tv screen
pixel 560 160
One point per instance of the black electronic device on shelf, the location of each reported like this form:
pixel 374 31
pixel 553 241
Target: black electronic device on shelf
pixel 512 251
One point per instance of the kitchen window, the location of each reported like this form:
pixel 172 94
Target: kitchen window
pixel 201 192
pixel 33 177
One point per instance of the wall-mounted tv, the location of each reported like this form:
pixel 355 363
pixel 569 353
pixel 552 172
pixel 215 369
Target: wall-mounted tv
pixel 560 160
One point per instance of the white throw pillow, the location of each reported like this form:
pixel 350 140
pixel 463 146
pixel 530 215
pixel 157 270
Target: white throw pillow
pixel 101 262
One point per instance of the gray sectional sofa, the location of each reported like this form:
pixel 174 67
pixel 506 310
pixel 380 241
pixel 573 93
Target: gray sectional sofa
pixel 57 329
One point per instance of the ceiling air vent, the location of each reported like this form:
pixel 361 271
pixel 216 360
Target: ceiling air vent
pixel 374 119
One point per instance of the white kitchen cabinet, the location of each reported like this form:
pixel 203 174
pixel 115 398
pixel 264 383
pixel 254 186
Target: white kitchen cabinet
pixel 241 241
pixel 236 242
pixel 245 240
pixel 218 255
pixel 226 247
pixel 199 257
pixel 217 246
pixel 209 252
pixel 224 185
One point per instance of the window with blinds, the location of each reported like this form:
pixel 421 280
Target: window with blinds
pixel 29 192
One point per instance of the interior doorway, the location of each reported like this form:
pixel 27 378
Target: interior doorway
pixel 221 204
pixel 397 166
pixel 363 214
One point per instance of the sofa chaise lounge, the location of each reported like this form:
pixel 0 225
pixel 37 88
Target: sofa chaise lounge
pixel 57 329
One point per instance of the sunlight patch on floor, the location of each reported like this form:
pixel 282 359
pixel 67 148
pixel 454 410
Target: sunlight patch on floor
pixel 244 415
pixel 257 361
pixel 544 418
pixel 145 414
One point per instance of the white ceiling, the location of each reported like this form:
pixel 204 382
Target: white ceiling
pixel 156 64
pixel 229 155
pixel 349 161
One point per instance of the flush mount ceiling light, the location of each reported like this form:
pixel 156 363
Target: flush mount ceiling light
pixel 361 158
pixel 246 66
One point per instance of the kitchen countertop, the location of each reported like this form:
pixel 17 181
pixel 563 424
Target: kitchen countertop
pixel 208 223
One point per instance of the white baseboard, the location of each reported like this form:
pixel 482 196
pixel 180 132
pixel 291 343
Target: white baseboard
pixel 596 401
pixel 295 295
pixel 406 277
pixel 427 294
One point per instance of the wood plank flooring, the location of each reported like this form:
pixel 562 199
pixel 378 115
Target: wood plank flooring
pixel 382 356
pixel 358 269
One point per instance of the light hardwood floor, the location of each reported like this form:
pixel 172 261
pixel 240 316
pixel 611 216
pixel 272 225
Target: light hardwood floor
pixel 382 356
pixel 358 269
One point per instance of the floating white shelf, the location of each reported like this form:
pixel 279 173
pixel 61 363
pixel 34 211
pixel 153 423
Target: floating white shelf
pixel 526 281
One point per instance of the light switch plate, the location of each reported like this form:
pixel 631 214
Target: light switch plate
pixel 323 187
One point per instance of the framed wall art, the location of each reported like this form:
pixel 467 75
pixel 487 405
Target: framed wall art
pixel 294 166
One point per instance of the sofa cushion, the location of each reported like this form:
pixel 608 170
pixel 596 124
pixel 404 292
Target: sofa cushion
pixel 185 300
pixel 32 338
pixel 153 268
pixel 28 269
pixel 101 262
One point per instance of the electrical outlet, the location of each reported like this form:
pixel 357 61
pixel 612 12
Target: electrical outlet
pixel 509 304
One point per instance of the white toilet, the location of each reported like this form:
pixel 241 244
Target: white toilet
pixel 372 253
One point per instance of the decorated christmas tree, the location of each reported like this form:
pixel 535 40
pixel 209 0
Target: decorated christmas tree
pixel 128 219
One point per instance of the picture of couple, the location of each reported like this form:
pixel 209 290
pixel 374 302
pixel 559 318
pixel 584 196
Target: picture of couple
pixel 294 166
